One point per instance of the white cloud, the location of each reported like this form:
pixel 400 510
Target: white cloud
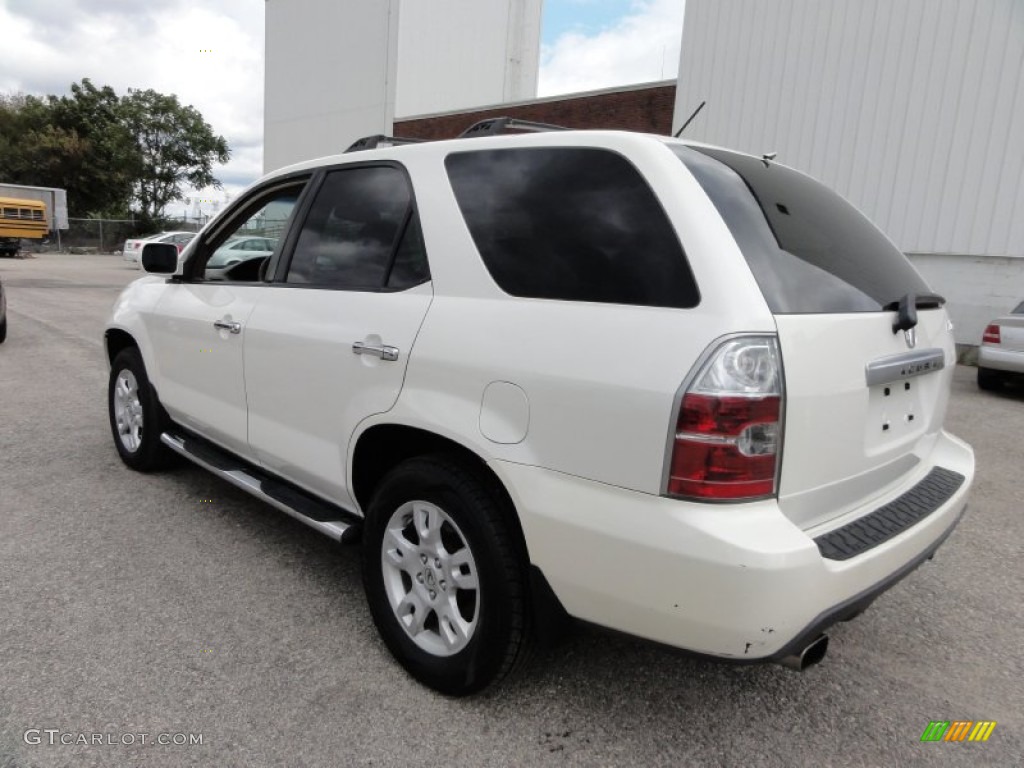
pixel 209 54
pixel 641 47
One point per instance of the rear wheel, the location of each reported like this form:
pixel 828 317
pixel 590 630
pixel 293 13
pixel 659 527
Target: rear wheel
pixel 136 417
pixel 989 379
pixel 3 329
pixel 444 582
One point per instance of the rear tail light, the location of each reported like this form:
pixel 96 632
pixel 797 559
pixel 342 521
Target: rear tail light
pixel 726 442
pixel 991 335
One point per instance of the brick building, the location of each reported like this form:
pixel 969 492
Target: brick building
pixel 647 108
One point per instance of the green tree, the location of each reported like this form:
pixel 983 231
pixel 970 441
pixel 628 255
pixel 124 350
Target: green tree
pixel 110 153
pixel 102 180
pixel 174 146
pixel 75 142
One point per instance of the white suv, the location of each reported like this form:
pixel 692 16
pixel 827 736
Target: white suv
pixel 669 389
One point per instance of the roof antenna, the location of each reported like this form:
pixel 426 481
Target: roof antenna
pixel 690 118
pixel 767 156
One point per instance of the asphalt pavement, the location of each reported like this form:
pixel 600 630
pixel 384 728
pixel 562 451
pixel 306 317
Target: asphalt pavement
pixel 173 607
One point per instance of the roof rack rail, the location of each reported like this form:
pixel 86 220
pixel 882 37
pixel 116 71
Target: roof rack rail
pixel 379 140
pixel 495 126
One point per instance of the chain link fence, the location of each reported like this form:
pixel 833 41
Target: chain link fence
pixel 108 235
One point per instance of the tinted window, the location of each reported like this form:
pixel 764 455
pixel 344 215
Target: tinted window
pixel 410 265
pixel 809 249
pixel 1019 310
pixel 349 236
pixel 574 224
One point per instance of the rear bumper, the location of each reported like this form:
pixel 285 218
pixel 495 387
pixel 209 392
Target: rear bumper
pixel 734 581
pixel 990 356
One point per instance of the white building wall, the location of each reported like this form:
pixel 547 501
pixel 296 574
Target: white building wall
pixel 912 109
pixel 334 69
pixel 458 54
pixel 330 76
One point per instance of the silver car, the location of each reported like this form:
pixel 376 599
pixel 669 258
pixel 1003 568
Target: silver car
pixel 1001 355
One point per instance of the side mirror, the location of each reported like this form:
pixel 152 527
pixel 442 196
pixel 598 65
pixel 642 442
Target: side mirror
pixel 160 258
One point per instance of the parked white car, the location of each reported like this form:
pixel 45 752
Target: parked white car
pixel 666 388
pixel 1001 354
pixel 242 248
pixel 133 248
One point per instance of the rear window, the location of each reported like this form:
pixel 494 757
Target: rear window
pixel 1019 310
pixel 574 224
pixel 809 250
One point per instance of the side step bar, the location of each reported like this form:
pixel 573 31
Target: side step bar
pixel 334 521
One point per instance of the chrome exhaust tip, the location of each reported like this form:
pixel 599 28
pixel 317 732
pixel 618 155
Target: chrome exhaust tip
pixel 811 654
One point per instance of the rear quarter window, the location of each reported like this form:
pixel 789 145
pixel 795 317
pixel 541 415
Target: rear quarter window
pixel 809 250
pixel 576 224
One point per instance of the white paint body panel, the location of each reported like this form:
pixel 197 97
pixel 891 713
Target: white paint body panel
pixel 600 383
pixel 737 581
pixel 845 443
pixel 306 388
pixel 199 369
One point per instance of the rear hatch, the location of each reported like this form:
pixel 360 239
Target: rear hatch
pixel 867 348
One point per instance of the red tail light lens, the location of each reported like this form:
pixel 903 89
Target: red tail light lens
pixel 991 335
pixel 729 425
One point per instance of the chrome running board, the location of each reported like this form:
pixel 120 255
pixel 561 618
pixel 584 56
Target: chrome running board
pixel 333 521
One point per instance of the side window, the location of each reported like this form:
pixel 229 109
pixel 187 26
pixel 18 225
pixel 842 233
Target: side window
pixel 263 222
pixel 410 264
pixel 350 237
pixel 571 223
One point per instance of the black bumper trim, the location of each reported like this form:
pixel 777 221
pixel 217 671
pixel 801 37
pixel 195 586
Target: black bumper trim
pixel 857 604
pixel 877 527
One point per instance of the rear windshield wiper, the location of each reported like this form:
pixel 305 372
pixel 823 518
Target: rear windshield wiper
pixel 921 301
pixel 907 306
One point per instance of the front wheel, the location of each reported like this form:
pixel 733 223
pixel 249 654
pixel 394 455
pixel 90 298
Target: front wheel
pixel 136 417
pixel 445 584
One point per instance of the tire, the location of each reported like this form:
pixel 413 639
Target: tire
pixel 989 379
pixel 3 329
pixel 136 416
pixel 451 607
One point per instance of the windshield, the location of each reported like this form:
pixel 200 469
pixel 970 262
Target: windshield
pixel 809 250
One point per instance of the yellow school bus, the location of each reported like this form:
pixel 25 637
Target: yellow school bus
pixel 20 219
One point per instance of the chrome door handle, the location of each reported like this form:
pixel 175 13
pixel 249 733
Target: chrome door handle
pixel 228 325
pixel 384 352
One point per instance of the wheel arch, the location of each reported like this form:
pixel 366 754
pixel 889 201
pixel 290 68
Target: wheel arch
pixel 382 447
pixel 117 340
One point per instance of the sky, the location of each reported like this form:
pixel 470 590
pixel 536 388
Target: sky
pixel 210 54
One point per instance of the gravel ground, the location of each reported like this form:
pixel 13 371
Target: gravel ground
pixel 175 604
